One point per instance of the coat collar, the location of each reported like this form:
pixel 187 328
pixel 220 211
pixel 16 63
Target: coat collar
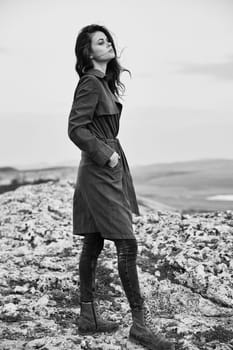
pixel 101 75
pixel 96 72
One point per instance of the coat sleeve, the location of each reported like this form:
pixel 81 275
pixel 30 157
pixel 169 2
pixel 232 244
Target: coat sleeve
pixel 82 111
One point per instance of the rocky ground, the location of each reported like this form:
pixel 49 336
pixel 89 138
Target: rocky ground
pixel 185 263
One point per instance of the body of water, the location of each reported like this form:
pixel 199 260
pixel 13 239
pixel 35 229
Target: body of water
pixel 221 197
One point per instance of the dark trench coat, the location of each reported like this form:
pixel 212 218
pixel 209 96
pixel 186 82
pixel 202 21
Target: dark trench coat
pixel 104 197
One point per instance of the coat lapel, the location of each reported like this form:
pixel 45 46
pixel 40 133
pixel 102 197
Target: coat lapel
pixel 113 97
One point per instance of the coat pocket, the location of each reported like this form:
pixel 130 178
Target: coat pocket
pixel 116 167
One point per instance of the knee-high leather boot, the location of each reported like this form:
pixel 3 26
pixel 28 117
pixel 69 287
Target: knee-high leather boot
pixel 140 334
pixel 90 322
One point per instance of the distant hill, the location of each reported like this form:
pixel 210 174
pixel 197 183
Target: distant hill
pixel 12 179
pixel 186 186
pixel 6 169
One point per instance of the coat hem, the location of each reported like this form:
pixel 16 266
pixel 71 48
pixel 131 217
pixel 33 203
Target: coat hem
pixel 83 234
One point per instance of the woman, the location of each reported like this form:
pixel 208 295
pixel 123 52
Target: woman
pixel 104 197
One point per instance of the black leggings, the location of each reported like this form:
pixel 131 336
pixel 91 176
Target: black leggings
pixel 126 254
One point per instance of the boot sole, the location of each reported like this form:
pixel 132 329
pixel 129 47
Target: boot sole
pixel 137 342
pixel 86 332
pixel 96 331
pixel 147 346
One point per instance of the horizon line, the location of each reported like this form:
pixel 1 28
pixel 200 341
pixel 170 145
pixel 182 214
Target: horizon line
pixel 75 163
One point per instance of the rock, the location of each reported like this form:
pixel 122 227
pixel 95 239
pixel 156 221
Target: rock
pixel 21 289
pixel 43 301
pixel 9 313
pixel 36 344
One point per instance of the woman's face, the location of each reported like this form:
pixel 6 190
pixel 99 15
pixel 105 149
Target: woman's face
pixel 101 48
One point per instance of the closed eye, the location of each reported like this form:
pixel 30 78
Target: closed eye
pixel 102 41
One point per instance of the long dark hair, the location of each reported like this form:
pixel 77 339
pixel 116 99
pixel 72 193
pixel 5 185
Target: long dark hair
pixel 83 61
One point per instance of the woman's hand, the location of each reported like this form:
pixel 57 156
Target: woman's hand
pixel 114 159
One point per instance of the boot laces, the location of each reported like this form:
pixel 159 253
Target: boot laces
pixel 96 310
pixel 148 320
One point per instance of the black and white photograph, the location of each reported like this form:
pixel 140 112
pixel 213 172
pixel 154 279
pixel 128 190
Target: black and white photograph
pixel 116 175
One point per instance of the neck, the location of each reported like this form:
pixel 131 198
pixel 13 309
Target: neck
pixel 102 66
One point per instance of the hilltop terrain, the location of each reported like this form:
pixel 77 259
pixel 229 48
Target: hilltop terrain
pixel 185 266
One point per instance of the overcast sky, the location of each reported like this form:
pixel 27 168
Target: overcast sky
pixel 178 103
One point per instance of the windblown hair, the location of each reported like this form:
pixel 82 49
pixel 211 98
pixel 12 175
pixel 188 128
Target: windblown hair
pixel 84 63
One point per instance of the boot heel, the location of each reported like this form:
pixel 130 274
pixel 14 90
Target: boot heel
pixel 90 322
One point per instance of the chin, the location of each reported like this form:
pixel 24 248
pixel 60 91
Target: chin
pixel 112 55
